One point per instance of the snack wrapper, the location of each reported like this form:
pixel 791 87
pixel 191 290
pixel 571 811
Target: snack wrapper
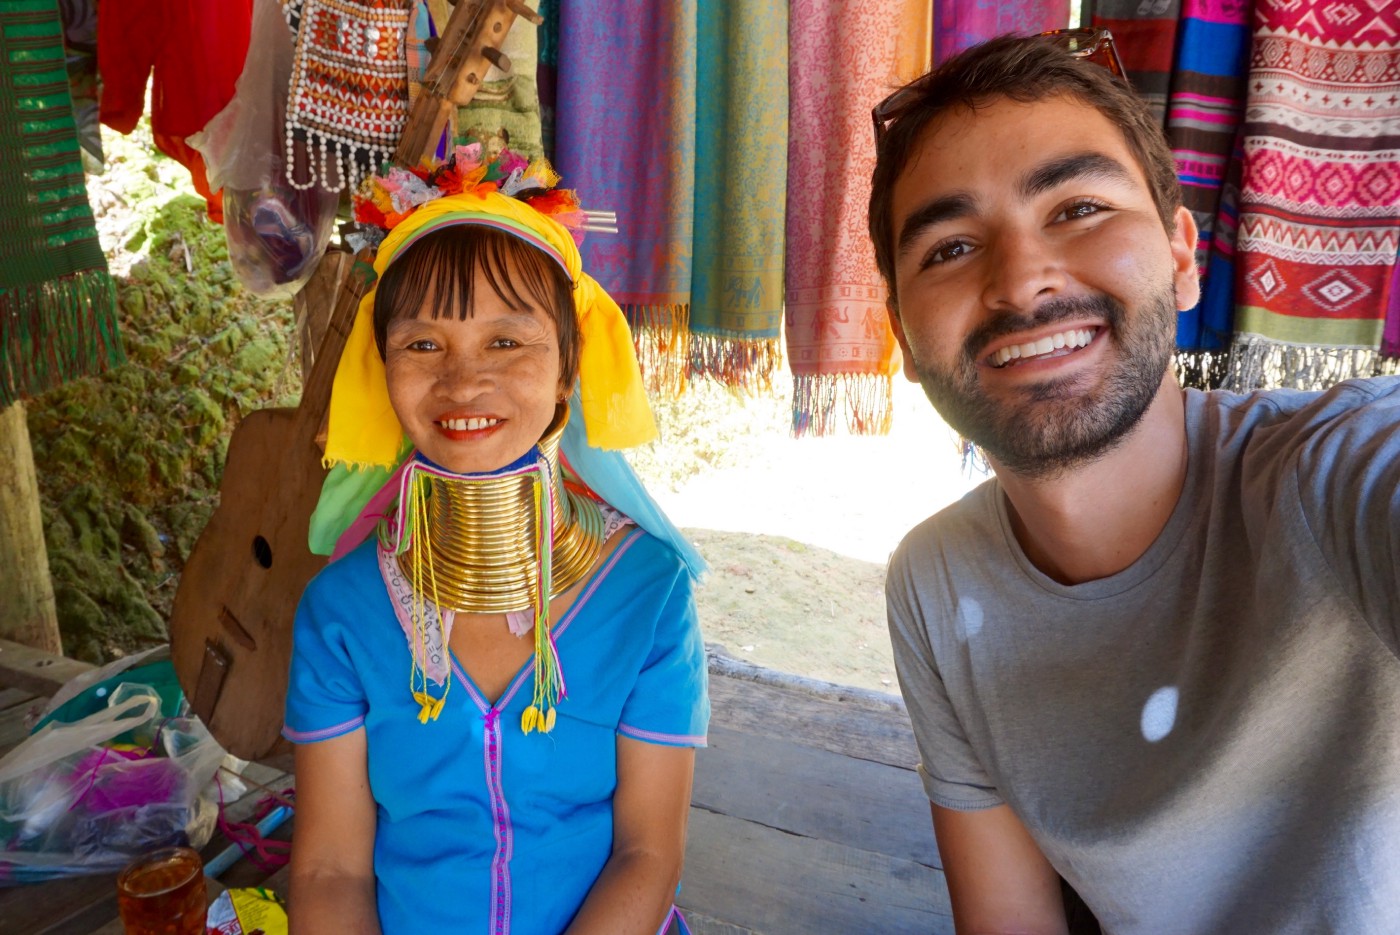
pixel 246 912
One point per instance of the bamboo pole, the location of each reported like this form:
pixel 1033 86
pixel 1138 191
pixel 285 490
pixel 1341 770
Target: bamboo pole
pixel 28 614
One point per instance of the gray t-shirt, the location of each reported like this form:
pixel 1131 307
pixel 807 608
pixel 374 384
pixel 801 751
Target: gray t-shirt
pixel 1209 740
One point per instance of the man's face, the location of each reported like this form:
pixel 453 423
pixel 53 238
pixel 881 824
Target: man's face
pixel 1037 289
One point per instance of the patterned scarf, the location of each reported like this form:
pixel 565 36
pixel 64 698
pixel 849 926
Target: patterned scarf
pixel 740 190
pixel 628 148
pixel 959 24
pixel 57 301
pixel 838 336
pixel 1320 203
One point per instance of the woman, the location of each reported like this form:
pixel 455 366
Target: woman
pixel 534 773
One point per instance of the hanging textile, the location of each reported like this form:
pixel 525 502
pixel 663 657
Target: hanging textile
pixel 1145 34
pixel 625 140
pixel 958 24
pixel 505 113
pixel 839 343
pixel 547 75
pixel 1203 122
pixel 191 52
pixel 57 301
pixel 347 103
pixel 740 190
pixel 1320 204
pixel 1390 340
pixel 80 45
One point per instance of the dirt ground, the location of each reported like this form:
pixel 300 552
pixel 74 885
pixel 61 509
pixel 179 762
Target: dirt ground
pixel 798 531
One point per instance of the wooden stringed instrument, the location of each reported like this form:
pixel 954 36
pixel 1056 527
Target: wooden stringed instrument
pixel 231 624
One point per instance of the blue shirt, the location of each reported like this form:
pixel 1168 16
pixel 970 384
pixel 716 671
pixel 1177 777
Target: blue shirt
pixel 483 828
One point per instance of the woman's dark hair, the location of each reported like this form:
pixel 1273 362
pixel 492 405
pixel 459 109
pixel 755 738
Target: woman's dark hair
pixel 444 263
pixel 1024 70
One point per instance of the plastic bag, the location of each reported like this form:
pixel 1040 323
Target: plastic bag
pixel 86 796
pixel 276 233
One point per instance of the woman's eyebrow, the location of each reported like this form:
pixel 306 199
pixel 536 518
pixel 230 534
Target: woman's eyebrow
pixel 1074 167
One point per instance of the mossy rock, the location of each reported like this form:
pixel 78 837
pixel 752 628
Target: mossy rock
pixel 129 462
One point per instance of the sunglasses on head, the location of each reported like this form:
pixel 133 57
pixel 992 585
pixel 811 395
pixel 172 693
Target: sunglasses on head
pixel 1095 45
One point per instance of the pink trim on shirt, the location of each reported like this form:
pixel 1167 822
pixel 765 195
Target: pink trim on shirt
pixel 651 736
pixel 325 733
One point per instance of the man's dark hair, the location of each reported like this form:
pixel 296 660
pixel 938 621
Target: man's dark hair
pixel 1022 70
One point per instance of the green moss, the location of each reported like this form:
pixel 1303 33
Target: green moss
pixel 129 463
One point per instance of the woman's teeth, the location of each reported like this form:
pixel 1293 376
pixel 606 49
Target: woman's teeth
pixel 1064 340
pixel 468 425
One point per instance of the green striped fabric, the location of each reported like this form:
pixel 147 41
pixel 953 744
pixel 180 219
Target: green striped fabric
pixel 57 301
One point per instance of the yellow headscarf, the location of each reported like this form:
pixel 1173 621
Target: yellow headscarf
pixel 363 429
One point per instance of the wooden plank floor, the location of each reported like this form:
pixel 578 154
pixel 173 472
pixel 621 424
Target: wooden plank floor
pixel 807 818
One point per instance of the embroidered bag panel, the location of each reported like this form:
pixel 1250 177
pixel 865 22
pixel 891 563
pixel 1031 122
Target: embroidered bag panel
pixel 347 102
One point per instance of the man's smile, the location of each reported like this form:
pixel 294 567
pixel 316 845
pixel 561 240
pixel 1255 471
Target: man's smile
pixel 1047 346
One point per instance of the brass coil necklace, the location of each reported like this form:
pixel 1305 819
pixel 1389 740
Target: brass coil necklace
pixel 482 536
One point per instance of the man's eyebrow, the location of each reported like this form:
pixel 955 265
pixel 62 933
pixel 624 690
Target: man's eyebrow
pixel 947 208
pixel 1076 166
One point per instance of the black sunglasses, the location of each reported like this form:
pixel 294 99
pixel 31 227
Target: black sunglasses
pixel 1096 45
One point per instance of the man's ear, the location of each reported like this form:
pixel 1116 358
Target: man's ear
pixel 1185 276
pixel 892 309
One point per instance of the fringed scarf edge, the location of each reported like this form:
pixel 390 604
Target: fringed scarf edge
pixel 739 362
pixel 1257 362
pixel 868 400
pixel 56 331
pixel 661 336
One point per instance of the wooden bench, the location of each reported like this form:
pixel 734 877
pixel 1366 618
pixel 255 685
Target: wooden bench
pixel 807 816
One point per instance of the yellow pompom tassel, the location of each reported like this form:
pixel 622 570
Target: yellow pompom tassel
pixel 429 707
pixel 548 721
pixel 530 719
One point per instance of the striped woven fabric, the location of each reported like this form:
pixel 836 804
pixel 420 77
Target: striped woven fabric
pixel 1320 201
pixel 1203 118
pixel 57 301
pixel 1145 34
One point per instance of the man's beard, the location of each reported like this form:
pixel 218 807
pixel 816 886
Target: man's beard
pixel 1056 425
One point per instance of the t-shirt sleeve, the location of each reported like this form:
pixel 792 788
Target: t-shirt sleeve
pixel 1349 484
pixel 670 702
pixel 953 776
pixel 325 696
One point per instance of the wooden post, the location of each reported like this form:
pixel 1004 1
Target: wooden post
pixel 28 614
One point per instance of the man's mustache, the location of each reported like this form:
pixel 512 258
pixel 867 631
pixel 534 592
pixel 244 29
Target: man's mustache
pixel 1064 309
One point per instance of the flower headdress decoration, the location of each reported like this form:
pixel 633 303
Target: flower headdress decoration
pixel 520 197
pixel 384 201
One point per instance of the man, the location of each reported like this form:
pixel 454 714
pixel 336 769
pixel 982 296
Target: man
pixel 1157 653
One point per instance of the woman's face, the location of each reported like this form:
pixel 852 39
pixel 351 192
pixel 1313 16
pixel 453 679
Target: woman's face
pixel 475 394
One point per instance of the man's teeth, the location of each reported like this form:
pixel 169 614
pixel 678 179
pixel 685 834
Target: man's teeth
pixel 468 425
pixel 1064 339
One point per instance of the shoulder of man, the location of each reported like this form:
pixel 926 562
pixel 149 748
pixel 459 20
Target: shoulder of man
pixel 975 510
pixel 1268 429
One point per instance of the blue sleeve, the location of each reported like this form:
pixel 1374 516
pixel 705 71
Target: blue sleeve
pixel 325 695
pixel 670 702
